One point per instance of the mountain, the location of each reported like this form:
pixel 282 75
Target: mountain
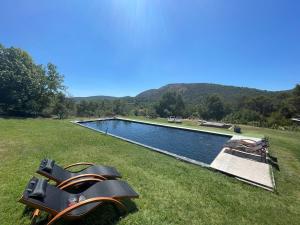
pixel 102 97
pixel 94 98
pixel 193 92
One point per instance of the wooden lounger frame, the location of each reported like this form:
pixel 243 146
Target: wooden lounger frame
pixel 75 177
pixel 73 182
pixel 61 214
pixel 79 164
pixel 91 175
pixel 57 216
pixel 64 183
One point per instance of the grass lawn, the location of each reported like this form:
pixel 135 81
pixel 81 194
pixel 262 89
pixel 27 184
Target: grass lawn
pixel 171 192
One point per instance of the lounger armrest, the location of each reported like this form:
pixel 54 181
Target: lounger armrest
pixel 73 183
pixel 89 175
pixel 79 164
pixel 85 202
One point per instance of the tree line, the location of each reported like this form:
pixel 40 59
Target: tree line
pixel 29 89
pixel 261 110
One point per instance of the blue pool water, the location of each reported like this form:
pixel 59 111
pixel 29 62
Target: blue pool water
pixel 200 146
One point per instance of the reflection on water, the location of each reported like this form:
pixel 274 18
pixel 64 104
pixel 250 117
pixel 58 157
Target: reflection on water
pixel 200 146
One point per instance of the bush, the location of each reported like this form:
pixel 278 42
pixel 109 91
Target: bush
pixel 276 119
pixel 244 116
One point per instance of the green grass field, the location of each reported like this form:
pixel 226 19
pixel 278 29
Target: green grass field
pixel 171 192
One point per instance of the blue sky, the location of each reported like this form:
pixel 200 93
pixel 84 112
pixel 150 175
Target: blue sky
pixel 122 47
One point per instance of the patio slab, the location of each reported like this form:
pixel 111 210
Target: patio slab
pixel 245 169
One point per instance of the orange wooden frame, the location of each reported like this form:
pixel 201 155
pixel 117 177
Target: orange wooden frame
pixel 79 164
pixel 36 212
pixel 79 181
pixel 91 175
pixel 85 202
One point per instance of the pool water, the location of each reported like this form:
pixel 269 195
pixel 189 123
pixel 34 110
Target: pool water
pixel 200 146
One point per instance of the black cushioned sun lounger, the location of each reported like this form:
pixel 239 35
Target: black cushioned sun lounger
pixel 58 203
pixel 49 169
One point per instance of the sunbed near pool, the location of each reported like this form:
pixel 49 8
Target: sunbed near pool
pixel 248 142
pixel 241 148
pixel 62 176
pixel 41 195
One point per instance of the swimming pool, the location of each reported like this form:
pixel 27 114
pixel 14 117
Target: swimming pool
pixel 193 146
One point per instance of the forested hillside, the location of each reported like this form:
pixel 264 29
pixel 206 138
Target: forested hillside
pixel 192 93
pixel 30 89
pixel 94 98
pixel 205 101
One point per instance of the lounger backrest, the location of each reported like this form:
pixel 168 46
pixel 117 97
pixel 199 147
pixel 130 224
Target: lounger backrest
pixel 52 171
pixel 47 165
pixel 41 195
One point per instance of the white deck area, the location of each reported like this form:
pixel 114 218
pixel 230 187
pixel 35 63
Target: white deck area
pixel 250 171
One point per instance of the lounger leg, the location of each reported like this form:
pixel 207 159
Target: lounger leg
pixel 36 213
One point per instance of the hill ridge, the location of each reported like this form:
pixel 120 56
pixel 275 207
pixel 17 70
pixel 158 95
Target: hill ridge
pixel 192 92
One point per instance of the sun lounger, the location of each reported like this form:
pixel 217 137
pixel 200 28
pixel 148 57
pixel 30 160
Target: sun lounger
pixel 62 176
pixel 258 150
pixel 171 119
pixel 248 142
pixel 61 204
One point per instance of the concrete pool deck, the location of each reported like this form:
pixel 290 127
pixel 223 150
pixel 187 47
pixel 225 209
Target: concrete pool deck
pixel 247 170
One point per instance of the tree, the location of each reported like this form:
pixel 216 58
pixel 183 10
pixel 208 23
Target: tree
pixel 171 104
pixel 244 116
pixel 26 88
pixel 296 98
pixel 118 107
pixel 179 106
pixel 213 108
pixel 260 104
pixel 82 108
pixel 54 80
pixel 60 106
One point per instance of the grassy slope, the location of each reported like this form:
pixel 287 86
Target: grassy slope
pixel 171 192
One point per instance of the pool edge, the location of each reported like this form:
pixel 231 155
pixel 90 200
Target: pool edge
pixel 156 124
pixel 181 158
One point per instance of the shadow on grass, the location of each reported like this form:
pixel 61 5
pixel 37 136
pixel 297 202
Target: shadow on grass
pixel 273 161
pixel 105 214
pixel 13 117
pixel 24 117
